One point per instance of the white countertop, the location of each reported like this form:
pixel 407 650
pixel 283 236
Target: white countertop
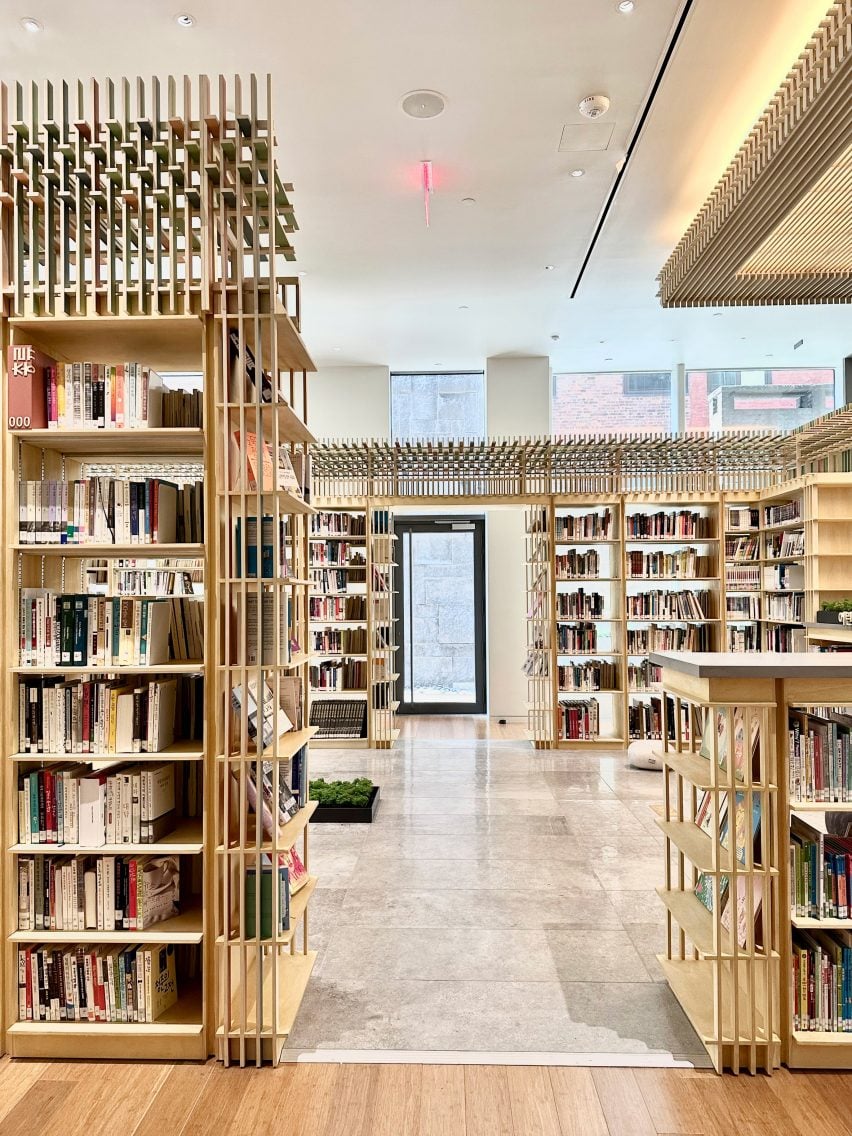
pixel 767 664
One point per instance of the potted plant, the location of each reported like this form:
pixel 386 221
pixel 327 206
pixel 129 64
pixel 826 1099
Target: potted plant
pixel 344 802
pixel 835 611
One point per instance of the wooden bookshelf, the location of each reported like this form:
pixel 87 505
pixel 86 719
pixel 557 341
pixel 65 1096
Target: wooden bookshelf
pixel 194 307
pixel 705 962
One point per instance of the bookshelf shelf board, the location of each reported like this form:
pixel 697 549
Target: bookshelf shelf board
pixel 820 806
pixel 293 974
pixel 291 352
pixel 741 532
pixel 585 654
pixel 196 666
pixel 288 501
pixel 697 846
pixel 267 581
pixel 321 692
pixel 568 620
pixel 784 591
pixel 805 924
pixel 338 568
pixel 575 743
pixel 691 981
pixel 298 905
pixel 588 579
pixel 606 690
pixel 783 622
pixel 288 834
pixel 339 655
pixel 288 744
pixel 693 768
pixel 821 1037
pixel 180 751
pixel 672 579
pixel 589 540
pixel 692 917
pixel 656 689
pixel 665 619
pixel 184 928
pixel 185 839
pixel 339 622
pixel 786 526
pixel 113 551
pixel 687 541
pixel 782 559
pixel 290 426
pixel 320 537
pixel 178 1035
pixel 332 741
pixel 154 441
pixel 166 343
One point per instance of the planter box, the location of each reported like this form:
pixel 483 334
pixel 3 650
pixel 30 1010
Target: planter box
pixel 340 814
pixel 835 617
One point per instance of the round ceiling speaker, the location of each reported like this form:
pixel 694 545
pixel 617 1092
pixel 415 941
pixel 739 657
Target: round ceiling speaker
pixel 423 104
pixel 593 106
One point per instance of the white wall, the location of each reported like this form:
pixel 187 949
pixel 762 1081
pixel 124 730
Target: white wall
pixel 349 402
pixel 517 391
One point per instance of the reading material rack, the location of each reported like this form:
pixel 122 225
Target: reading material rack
pixel 169 231
pixel 730 741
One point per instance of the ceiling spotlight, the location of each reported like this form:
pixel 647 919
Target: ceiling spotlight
pixel 31 24
pixel 423 104
pixel 555 338
pixel 184 20
pixel 626 6
pixel 577 173
pixel 549 267
pixel 468 201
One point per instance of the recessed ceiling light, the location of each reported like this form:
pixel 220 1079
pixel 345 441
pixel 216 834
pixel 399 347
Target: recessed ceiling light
pixel 717 313
pixel 607 359
pixel 577 173
pixel 464 307
pixel 770 356
pixel 626 6
pixel 423 104
pixel 468 201
pixel 31 24
pixel 549 267
pixel 336 349
pixel 185 20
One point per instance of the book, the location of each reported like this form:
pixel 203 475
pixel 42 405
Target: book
pixel 28 377
pixel 274 720
pixel 259 919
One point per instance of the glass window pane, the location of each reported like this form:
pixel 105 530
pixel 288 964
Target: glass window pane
pixel 773 399
pixel 612 402
pixel 441 635
pixel 437 407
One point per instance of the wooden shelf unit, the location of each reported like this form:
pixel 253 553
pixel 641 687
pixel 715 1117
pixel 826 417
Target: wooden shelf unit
pixel 761 689
pixel 187 278
pixel 540 627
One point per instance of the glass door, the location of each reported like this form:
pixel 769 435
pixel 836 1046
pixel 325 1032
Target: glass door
pixel 441 615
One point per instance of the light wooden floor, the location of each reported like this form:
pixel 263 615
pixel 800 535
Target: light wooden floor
pixel 95 1099
pixel 465 726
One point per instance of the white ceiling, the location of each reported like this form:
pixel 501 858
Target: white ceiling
pixel 380 287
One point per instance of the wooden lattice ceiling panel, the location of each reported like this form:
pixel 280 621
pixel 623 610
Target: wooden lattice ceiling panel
pixel 775 230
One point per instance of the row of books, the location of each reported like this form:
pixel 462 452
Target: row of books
pixel 781 545
pixel 580 604
pixel 253 468
pixel 340 717
pixel 282 708
pixel 643 676
pixel 777 638
pixel 742 517
pixel 325 523
pixel 654 638
pixel 659 604
pixel 72 630
pixel 745 638
pixel 783 514
pixel 183 409
pixel 340 641
pixel 790 609
pixel 339 674
pixel 94 715
pixel 784 577
pixel 588 526
pixel 666 525
pixel 578 721
pixel 109 510
pixel 146 577
pixel 81 396
pixel 273 559
pixel 580 637
pixel 822 981
pixel 595 674
pixel 578 565
pixel 742 549
pixel 683 564
pixel 338 608
pixel 96 983
pixel 645 719
pixel 266 640
pixel 742 607
pixel 333 552
pixel 330 581
pixel 96 893
pixel 74 805
pixel 742 577
pixel 820 872
pixel 820 756
pixel 381 522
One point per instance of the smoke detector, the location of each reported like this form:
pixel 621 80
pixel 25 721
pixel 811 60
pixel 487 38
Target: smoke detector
pixel 593 106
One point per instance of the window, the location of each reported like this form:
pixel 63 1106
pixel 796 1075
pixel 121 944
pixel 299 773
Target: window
pixel 774 399
pixel 612 402
pixel 437 407
pixel 647 382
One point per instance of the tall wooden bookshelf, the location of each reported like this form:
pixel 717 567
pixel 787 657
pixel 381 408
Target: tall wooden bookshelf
pixel 739 979
pixel 172 231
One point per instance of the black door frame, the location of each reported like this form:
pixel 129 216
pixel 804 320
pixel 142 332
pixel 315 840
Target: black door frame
pixel 439 523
